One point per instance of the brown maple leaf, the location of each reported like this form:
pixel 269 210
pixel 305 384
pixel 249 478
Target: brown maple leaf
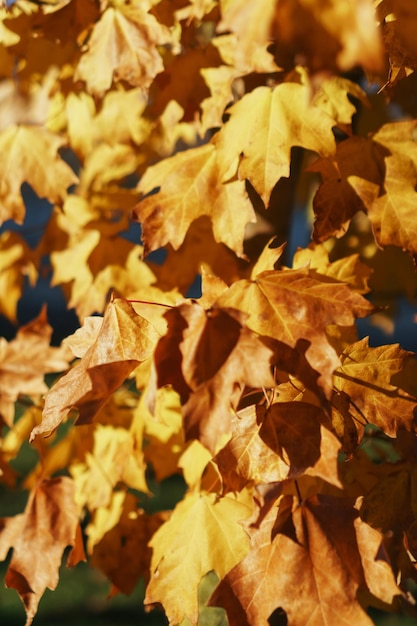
pixel 373 382
pixel 208 356
pixel 331 36
pixel 247 456
pixel 295 308
pixel 307 564
pixel 297 432
pixel 336 200
pixel 124 340
pixel 122 553
pixel 25 360
pixel 39 537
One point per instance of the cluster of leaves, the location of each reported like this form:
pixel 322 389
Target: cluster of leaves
pixel 205 121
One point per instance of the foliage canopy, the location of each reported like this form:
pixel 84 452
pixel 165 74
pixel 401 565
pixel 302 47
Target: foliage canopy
pixel 208 122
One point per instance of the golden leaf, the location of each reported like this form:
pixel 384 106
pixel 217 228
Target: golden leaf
pixel 122 46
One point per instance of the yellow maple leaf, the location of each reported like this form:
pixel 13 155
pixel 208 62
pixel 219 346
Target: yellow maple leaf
pixel 251 22
pixel 203 534
pixel 275 120
pixel 113 459
pixel 30 154
pixel 190 186
pixel 122 46
pixel 15 264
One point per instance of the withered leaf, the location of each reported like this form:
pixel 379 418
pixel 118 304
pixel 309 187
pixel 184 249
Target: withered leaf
pixel 48 525
pixel 296 431
pixel 122 553
pixel 371 379
pixel 125 339
pixel 318 556
pixel 337 200
pixel 247 457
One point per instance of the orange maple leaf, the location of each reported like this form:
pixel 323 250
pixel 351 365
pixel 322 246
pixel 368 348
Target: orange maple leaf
pixel 25 360
pixel 48 525
pixel 124 340
pixel 295 308
pixel 314 549
pixel 373 382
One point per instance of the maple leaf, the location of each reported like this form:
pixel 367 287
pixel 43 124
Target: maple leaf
pixel 202 525
pixel 350 269
pixel 337 200
pixel 125 339
pixel 16 263
pixel 296 432
pixel 119 120
pixel 337 35
pixel 377 175
pixel 48 525
pixel 199 250
pixel 190 186
pixel 294 308
pixel 251 22
pixel 112 460
pixel 207 357
pixel 93 265
pixel 246 456
pixel 127 532
pixel 127 37
pixel 397 21
pixel 275 120
pixel 391 213
pixel 188 95
pixel 25 360
pixel 371 380
pixel 312 548
pixel 29 154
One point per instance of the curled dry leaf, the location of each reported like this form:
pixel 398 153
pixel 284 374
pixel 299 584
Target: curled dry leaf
pixel 48 525
pixel 125 339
